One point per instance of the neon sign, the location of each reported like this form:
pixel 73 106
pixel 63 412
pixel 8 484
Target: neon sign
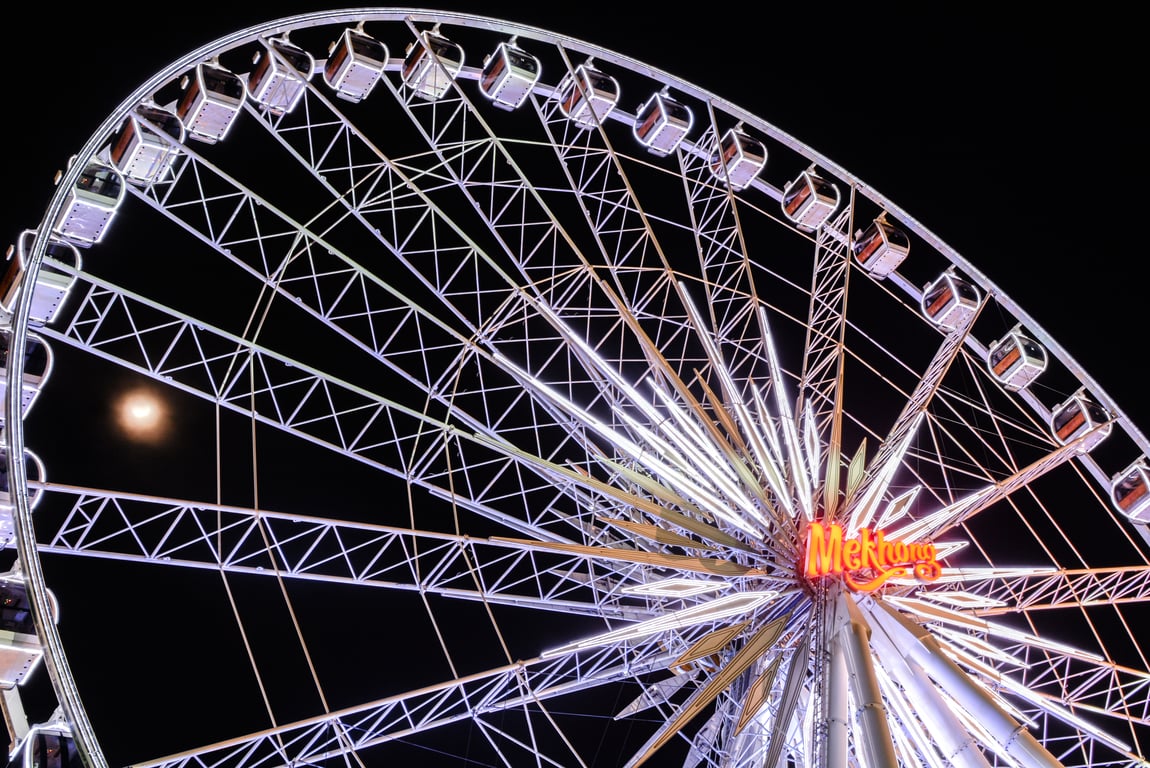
pixel 830 553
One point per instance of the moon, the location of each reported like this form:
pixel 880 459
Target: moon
pixel 142 416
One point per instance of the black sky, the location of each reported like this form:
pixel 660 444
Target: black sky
pixel 1012 139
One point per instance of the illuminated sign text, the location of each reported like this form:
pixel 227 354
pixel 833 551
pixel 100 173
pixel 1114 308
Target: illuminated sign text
pixel 829 553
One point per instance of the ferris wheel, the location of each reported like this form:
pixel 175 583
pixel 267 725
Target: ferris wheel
pixel 529 406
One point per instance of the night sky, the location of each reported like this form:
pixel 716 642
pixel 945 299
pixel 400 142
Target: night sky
pixel 1011 139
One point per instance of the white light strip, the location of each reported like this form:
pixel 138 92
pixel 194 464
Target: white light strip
pixel 961 599
pixel 669 449
pixel 937 522
pixel 675 587
pixel 864 509
pixel 801 470
pixel 944 549
pixel 898 508
pixel 637 452
pixel 977 646
pixel 966 575
pixel 654 695
pixel 920 646
pixel 812 444
pixel 721 608
pixel 690 429
pixel 770 455
pixel 939 613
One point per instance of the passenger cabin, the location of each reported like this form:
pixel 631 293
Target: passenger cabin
pixel 355 62
pixel 430 65
pixel 809 200
pixel 880 248
pixel 587 96
pixel 35 474
pixel 212 98
pixel 508 75
pixel 1015 360
pixel 280 75
pixel 49 745
pixel 91 203
pixel 662 123
pixel 1079 415
pixel 20 647
pixel 37 367
pixel 52 281
pixel 1130 491
pixel 950 302
pixel 738 158
pixel 147 145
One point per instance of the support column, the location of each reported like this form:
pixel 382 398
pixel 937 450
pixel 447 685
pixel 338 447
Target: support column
pixel 833 683
pixel 838 712
pixel 874 728
pixel 1013 739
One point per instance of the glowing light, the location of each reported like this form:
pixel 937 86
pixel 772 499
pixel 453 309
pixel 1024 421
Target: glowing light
pixel 141 416
pixel 675 588
pixel 716 610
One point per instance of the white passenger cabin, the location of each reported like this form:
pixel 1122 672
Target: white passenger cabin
pixel 53 282
pixel 147 145
pixel 91 203
pixel 1015 360
pixel 48 745
pixel 1130 491
pixel 212 98
pixel 509 73
pixel 950 302
pixel 355 62
pixel 280 75
pixel 1079 415
pixel 662 123
pixel 880 248
pixel 20 647
pixel 34 473
pixel 587 96
pixel 431 65
pixel 738 158
pixel 38 361
pixel 809 200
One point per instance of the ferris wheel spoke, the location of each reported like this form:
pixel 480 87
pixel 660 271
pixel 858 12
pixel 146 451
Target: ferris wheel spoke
pixel 820 384
pixel 1062 680
pixel 946 519
pixel 975 700
pixel 500 691
pixel 712 211
pixel 250 380
pixel 491 332
pixel 759 644
pixel 312 269
pixel 383 190
pixel 891 452
pixel 1005 590
pixel 513 207
pixel 488 168
pixel 185 534
pixel 1053 688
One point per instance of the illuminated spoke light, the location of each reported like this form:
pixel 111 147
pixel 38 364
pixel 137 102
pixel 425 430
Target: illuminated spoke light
pixel 714 611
